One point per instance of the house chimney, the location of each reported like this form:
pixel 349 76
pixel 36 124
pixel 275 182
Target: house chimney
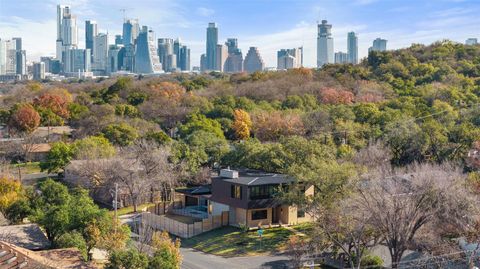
pixel 228 173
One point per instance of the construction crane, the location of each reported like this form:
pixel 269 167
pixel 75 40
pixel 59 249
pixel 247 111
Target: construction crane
pixel 124 10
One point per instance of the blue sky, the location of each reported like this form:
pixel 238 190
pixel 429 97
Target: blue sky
pixel 268 24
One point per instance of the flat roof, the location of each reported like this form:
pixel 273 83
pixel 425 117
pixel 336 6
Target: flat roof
pixel 257 178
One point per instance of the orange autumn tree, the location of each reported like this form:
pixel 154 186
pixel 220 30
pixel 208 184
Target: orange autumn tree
pixel 336 96
pixel 25 118
pixel 167 252
pixel 270 126
pixel 242 124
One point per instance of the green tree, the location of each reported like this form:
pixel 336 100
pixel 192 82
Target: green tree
pixel 127 259
pixel 167 254
pixel 120 134
pixel 17 211
pixel 197 122
pixel 93 147
pixel 73 239
pixel 58 157
pixel 211 148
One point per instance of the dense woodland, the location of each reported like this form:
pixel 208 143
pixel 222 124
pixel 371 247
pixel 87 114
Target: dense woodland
pixel 397 112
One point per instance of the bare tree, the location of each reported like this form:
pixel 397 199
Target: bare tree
pixel 403 201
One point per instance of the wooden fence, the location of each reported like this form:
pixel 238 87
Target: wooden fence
pixel 181 229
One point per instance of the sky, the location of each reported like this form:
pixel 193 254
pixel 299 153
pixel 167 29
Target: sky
pixel 270 25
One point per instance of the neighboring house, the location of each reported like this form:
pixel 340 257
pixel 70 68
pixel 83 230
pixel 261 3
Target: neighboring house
pixel 36 152
pixel 248 196
pixel 53 133
pixel 28 236
pixel 15 257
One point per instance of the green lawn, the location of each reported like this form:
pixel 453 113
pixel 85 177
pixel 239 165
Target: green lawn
pixel 230 241
pixel 26 168
pixel 129 209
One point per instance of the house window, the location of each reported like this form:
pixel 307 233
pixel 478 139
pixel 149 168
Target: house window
pixel 263 192
pixel 259 214
pixel 236 191
pixel 300 213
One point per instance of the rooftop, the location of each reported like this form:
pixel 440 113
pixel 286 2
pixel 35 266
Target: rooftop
pixel 256 178
pixel 27 236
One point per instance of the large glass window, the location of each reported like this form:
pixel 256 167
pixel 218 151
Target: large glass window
pixel 236 191
pixel 259 214
pixel 263 192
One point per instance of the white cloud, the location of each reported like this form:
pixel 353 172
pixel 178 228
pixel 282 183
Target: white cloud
pixel 205 12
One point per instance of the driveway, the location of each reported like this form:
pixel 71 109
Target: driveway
pixel 193 259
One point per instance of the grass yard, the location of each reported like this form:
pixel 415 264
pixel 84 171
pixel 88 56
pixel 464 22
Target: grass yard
pixel 129 209
pixel 230 241
pixel 26 168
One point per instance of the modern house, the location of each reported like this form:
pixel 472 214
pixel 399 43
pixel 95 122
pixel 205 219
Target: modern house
pixel 250 197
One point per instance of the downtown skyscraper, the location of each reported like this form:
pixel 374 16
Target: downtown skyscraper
pixel 234 62
pixel 91 32
pixel 146 57
pixel 67 33
pixel 212 41
pixel 324 44
pixel 352 47
pixel 378 45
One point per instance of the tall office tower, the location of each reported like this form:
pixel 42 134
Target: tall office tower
pixel 184 58
pixel 203 62
pixel 471 41
pixel 61 11
pixel 212 41
pixel 253 61
pixel 20 57
pixel 118 40
pixel 77 61
pixel 131 31
pixel 234 62
pixel 342 57
pixel 146 58
pixel 352 47
pixel 220 57
pixel 21 62
pixel 324 44
pixel 290 58
pixel 100 58
pixel 11 57
pixel 165 48
pixel 232 45
pixel 3 57
pixel 378 45
pixel 113 60
pixel 39 71
pixel 91 32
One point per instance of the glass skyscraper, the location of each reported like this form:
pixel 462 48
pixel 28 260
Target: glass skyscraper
pixel 352 48
pixel 324 44
pixel 90 34
pixel 146 58
pixel 212 41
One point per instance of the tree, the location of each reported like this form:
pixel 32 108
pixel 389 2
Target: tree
pixel 296 249
pixel 120 134
pixel 197 122
pixel 73 239
pixel 404 201
pixel 209 148
pixel 25 118
pixel 18 210
pixel 58 157
pixel 242 124
pixel 93 147
pixel 167 253
pixel 271 126
pixel 127 259
pixel 10 192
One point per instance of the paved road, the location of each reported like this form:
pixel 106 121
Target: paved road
pixel 193 259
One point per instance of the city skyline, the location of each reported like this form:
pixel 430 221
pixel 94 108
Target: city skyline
pixel 399 23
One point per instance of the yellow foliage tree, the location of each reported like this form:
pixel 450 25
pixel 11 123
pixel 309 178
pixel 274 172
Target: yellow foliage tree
pixel 10 191
pixel 167 254
pixel 242 124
